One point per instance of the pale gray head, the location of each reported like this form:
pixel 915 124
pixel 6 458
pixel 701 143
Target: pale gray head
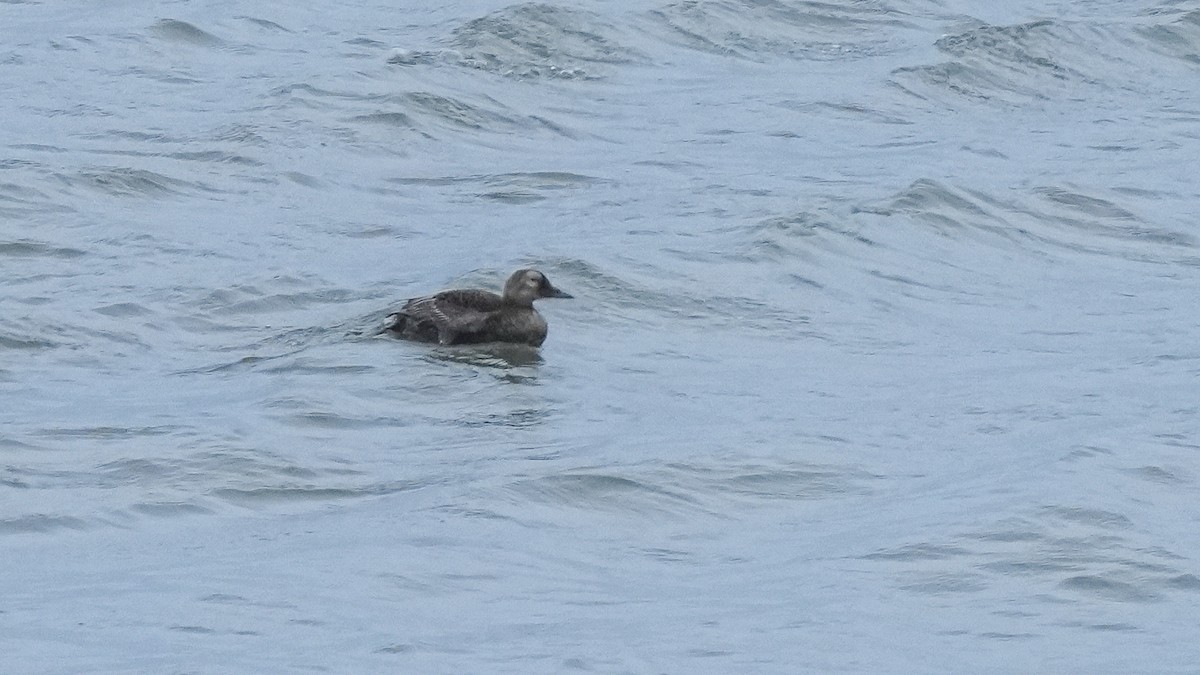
pixel 525 286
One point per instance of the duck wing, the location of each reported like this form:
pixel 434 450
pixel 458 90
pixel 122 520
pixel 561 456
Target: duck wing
pixel 444 316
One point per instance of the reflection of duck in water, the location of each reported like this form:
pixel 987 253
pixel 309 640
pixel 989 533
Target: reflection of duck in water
pixel 473 315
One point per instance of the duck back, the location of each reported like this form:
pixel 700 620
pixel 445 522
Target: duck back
pixel 445 317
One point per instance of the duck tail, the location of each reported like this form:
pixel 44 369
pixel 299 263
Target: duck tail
pixel 393 322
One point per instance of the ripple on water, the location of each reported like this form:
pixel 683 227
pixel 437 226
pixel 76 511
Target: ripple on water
pixel 535 40
pixel 266 496
pixel 27 248
pixel 40 523
pixel 679 489
pixel 1178 38
pixel 1045 60
pixel 599 491
pixel 1019 46
pixel 1087 218
pixel 123 309
pixel 807 235
pixel 170 509
pixel 514 188
pixel 111 432
pixel 995 64
pixel 668 300
pixel 1061 554
pixel 758 30
pixel 116 181
pixel 952 212
pixel 1111 587
pixel 278 294
pixel 20 200
pixel 182 32
pixel 166 484
pixel 1036 219
pixel 433 115
pixel 766 483
pixel 13 338
pixel 264 23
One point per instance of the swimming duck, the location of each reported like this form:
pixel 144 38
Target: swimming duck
pixel 475 315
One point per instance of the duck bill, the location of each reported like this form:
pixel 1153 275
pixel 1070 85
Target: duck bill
pixel 553 292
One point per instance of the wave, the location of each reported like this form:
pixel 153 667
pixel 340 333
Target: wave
pixel 182 32
pixel 1178 38
pixel 128 182
pixel 755 30
pixel 536 40
pixel 1065 553
pixel 512 188
pixel 1051 59
pixel 687 489
pixel 1038 219
pixel 421 114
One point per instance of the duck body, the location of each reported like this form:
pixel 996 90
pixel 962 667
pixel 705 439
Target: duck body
pixel 472 316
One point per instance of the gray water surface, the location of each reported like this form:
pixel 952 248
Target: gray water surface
pixel 882 356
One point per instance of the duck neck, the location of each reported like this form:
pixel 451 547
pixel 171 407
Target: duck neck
pixel 518 302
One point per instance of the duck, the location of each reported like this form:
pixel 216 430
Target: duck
pixel 473 315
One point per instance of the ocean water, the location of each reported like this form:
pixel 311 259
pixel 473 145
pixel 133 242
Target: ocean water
pixel 882 356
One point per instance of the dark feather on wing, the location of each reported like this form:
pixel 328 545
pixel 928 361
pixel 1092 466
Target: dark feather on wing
pixel 444 316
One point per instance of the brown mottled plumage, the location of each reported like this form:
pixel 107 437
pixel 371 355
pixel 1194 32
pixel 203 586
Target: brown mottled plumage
pixel 473 315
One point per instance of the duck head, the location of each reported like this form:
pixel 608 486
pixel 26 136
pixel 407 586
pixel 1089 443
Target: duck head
pixel 525 286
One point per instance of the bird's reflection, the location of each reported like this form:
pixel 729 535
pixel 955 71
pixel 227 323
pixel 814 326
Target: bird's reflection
pixel 492 355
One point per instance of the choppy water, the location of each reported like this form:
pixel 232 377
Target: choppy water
pixel 883 355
